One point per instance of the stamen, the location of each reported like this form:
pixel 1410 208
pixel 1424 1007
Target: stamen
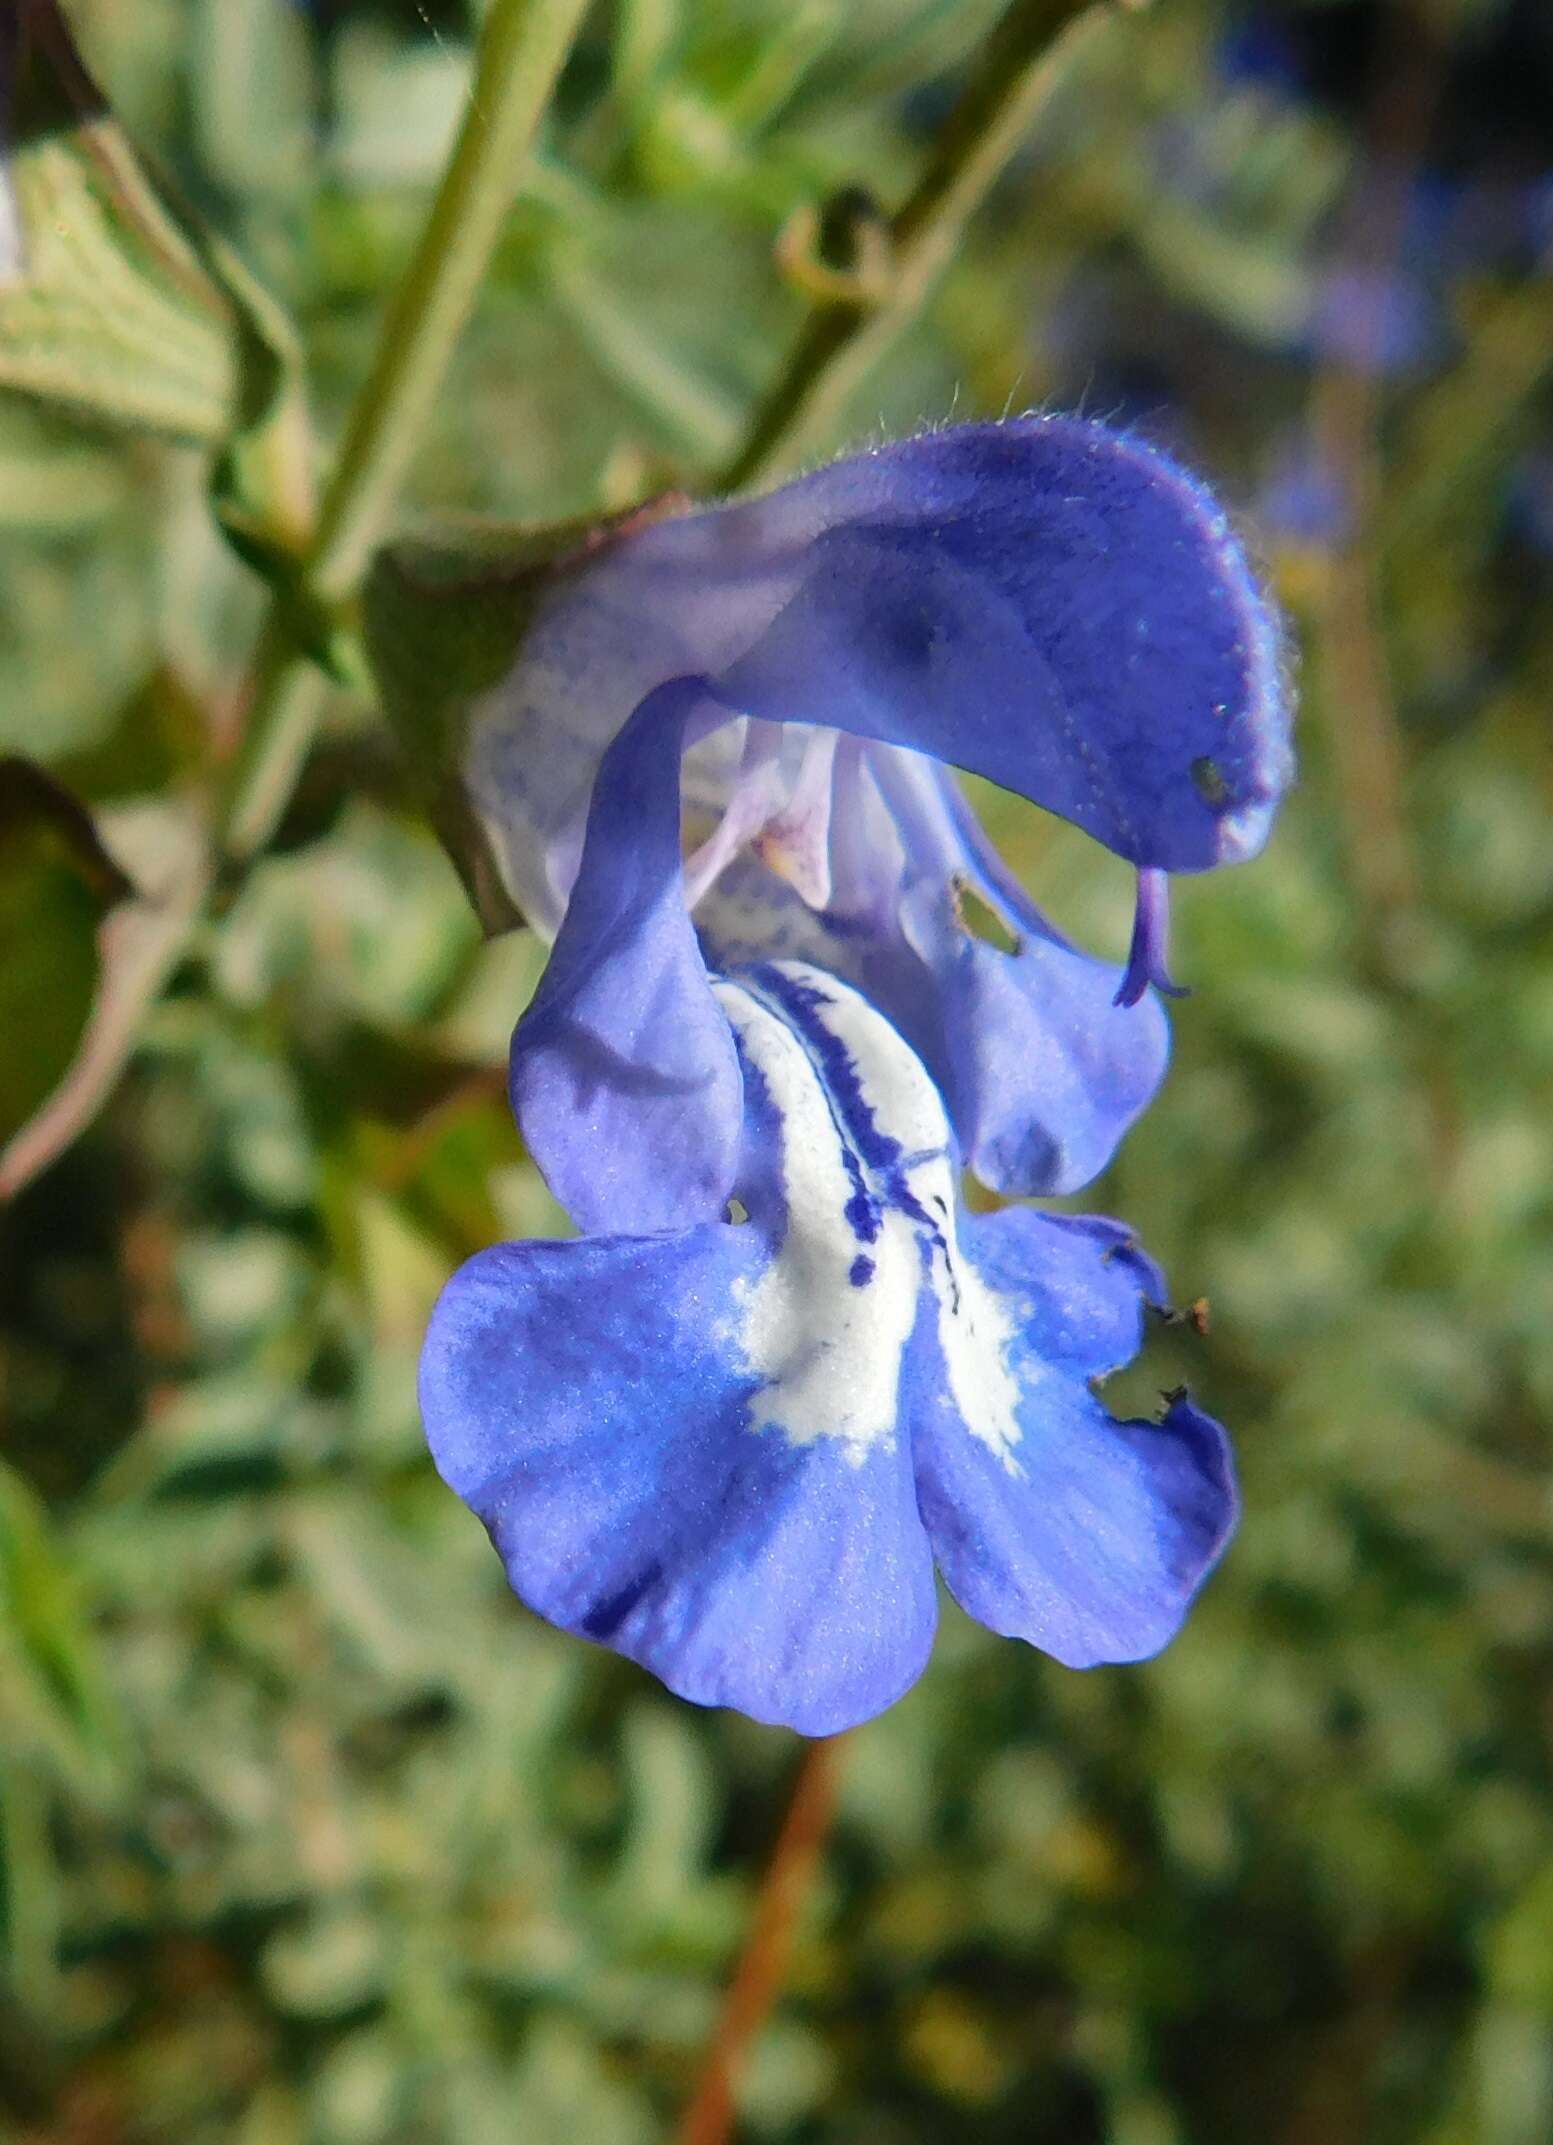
pixel 756 793
pixel 796 842
pixel 1149 954
pixel 864 846
pixel 784 817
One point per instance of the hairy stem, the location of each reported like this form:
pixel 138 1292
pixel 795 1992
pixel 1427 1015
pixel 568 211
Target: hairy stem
pixel 763 1962
pixel 522 48
pixel 1024 59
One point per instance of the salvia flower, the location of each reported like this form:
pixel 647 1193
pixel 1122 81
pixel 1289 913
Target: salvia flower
pixel 731 1429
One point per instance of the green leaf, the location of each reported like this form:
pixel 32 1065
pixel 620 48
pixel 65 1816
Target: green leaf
pixel 110 309
pixel 566 2091
pixel 57 882
pixel 92 918
pixel 663 1858
pixel 397 105
pixel 327 1966
pixel 255 114
pixel 55 1704
pixel 55 477
pixel 29 1904
pixel 262 487
pixel 116 302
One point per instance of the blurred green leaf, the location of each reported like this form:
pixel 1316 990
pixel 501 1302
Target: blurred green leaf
pixel 327 1965
pixel 661 1863
pixel 29 1900
pixel 370 921
pixel 57 883
pixel 56 1707
pixel 77 636
pixel 256 114
pixel 55 478
pixel 125 309
pixel 397 105
pixel 85 967
pixel 565 2091
pixel 112 311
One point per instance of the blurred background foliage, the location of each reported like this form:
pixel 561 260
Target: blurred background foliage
pixel 308 1834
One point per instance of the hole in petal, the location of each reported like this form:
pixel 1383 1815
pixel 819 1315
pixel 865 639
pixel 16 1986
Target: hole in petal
pixel 978 919
pixel 1170 1356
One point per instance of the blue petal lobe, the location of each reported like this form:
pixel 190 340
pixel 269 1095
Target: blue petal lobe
pixel 624 1076
pixel 587 1401
pixel 1042 1071
pixel 1085 1536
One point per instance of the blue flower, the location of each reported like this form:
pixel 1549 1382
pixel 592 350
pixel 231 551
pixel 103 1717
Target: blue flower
pixel 730 1430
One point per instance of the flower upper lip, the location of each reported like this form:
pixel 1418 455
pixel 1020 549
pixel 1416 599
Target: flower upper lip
pixel 1043 602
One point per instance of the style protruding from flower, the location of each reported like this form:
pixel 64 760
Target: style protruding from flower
pixel 733 1427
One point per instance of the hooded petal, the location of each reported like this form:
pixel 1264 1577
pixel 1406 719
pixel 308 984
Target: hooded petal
pixel 1044 602
pixel 1052 1521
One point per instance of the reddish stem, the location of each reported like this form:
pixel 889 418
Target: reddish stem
pixel 1346 420
pixel 763 1962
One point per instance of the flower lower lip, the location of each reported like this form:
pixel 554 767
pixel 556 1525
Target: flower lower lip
pixel 740 1449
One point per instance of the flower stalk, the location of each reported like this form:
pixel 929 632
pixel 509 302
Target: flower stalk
pixel 522 49
pixel 1024 60
pixel 763 1962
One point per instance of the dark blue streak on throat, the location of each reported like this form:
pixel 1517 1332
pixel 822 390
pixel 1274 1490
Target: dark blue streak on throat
pixel 861 1271
pixel 861 1139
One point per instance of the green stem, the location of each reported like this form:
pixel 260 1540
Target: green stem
pixel 522 48
pixel 1025 57
pixel 285 699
